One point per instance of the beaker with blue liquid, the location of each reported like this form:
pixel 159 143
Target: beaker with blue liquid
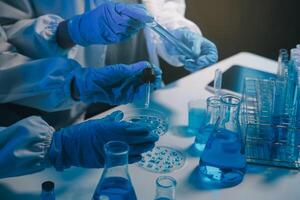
pixel 223 162
pixel 115 181
pixel 212 115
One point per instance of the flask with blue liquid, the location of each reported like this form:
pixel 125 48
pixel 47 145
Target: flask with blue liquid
pixel 223 162
pixel 212 115
pixel 115 182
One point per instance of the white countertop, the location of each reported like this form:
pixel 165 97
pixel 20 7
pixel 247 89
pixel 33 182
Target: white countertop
pixel 260 182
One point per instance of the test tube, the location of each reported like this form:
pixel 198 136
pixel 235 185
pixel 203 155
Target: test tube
pixel 181 47
pixel 148 92
pixel 282 59
pixel 218 82
pixel 295 53
pixel 148 77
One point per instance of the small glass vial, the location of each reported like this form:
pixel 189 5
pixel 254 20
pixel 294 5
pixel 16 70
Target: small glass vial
pixel 115 181
pixel 48 191
pixel 165 188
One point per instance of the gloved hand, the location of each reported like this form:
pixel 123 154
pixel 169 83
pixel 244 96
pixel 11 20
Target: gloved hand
pixel 206 50
pixel 108 23
pixel 115 84
pixel 82 145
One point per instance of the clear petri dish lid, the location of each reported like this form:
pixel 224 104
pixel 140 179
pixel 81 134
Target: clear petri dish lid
pixel 156 120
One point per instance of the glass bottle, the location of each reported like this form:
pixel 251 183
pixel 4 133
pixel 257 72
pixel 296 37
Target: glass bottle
pixel 165 188
pixel 115 181
pixel 48 191
pixel 212 115
pixel 223 162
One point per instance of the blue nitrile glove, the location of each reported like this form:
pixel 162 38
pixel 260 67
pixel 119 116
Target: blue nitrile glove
pixel 108 23
pixel 115 84
pixel 81 145
pixel 206 50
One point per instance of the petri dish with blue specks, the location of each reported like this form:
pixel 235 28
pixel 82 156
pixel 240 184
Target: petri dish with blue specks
pixel 162 159
pixel 157 121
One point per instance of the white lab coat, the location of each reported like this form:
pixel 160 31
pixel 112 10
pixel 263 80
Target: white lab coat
pixel 24 147
pixel 28 35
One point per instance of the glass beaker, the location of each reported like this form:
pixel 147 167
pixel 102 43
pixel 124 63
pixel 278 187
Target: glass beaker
pixel 196 118
pixel 165 188
pixel 223 162
pixel 115 181
pixel 212 115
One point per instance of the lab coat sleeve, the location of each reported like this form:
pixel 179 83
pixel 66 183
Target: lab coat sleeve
pixel 32 37
pixel 44 84
pixel 170 14
pixel 24 147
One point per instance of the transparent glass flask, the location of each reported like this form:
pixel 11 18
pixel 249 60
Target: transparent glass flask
pixel 115 181
pixel 212 115
pixel 165 188
pixel 223 162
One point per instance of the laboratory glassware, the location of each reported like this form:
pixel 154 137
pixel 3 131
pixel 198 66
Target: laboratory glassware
pixel 196 115
pixel 48 191
pixel 165 188
pixel 115 182
pixel 212 115
pixel 162 159
pixel 148 77
pixel 157 121
pixel 282 58
pixel 165 34
pixel 223 162
pixel 271 129
pixel 218 82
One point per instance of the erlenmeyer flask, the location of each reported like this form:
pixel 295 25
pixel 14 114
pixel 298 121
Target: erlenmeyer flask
pixel 115 181
pixel 223 162
pixel 212 115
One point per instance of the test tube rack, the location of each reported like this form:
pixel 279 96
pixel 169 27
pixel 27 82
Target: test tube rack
pixel 269 139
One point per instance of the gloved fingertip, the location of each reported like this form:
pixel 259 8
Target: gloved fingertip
pixel 117 115
pixel 157 70
pixel 154 137
pixel 141 65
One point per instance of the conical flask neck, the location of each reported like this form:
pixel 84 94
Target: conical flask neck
pixel 230 107
pixel 116 160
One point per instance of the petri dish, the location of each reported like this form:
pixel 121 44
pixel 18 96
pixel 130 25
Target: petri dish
pixel 157 121
pixel 162 159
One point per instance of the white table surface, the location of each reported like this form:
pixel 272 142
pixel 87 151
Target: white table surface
pixel 260 182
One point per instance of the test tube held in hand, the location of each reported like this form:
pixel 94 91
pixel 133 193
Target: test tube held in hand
pixel 148 77
pixel 165 34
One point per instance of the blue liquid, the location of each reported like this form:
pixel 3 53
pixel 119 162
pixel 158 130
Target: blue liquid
pixel 116 188
pixel 202 137
pixel 223 162
pixel 163 198
pixel 196 118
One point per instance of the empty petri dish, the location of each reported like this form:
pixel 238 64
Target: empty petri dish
pixel 156 120
pixel 162 159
